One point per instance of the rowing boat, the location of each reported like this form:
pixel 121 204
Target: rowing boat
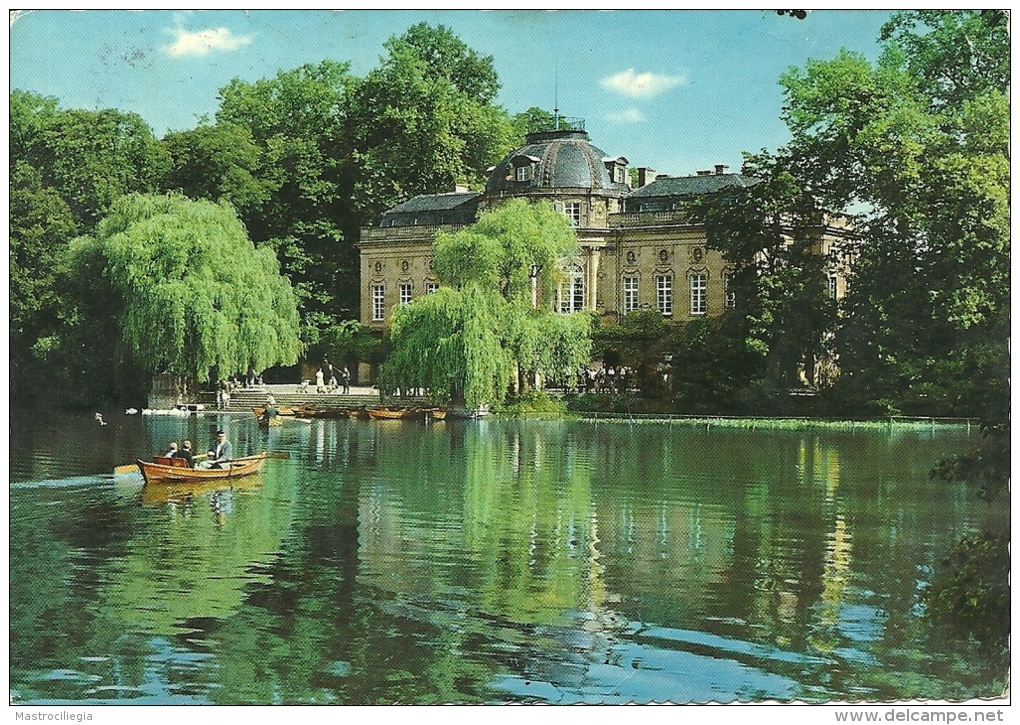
pixel 163 469
pixel 394 413
pixel 435 414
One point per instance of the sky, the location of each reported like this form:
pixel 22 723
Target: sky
pixel 675 90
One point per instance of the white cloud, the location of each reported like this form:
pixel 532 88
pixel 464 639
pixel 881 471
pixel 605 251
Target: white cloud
pixel 202 42
pixel 631 115
pixel 641 85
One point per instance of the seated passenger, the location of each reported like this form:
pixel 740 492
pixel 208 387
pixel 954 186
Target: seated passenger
pixel 185 454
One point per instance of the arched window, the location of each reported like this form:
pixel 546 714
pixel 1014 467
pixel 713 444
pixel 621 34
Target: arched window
pixel 571 291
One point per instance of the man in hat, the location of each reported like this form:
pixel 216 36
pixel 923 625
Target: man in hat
pixel 220 452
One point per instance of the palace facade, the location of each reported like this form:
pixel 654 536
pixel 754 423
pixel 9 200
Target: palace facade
pixel 640 250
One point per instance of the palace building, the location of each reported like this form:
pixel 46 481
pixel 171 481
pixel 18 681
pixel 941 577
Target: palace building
pixel 639 248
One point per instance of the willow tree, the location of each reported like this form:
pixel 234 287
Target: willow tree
pixel 492 319
pixel 177 287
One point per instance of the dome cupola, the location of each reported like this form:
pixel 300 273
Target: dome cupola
pixel 560 159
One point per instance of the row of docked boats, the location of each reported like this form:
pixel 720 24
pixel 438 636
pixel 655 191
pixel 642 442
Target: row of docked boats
pixel 310 411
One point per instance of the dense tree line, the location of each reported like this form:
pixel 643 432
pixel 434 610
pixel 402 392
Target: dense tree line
pixel 918 140
pixel 913 150
pixel 303 159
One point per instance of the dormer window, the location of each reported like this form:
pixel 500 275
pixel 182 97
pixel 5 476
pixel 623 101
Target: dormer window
pixel 523 167
pixel 617 168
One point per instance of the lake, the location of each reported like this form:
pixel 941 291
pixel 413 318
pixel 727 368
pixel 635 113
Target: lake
pixel 486 561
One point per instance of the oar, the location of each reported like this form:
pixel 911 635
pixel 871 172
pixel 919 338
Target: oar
pixel 132 467
pixel 282 455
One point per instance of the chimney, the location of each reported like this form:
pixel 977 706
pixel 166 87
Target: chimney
pixel 645 176
pixel 721 169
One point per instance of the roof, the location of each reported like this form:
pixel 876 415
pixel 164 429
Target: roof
pixel 459 207
pixel 434 202
pixel 692 185
pixel 561 159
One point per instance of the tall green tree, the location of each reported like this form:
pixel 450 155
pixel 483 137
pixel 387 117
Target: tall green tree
pixel 771 234
pixel 94 157
pixel 41 226
pixel 424 120
pixel 218 162
pixel 299 201
pixel 166 284
pixel 919 141
pixel 480 332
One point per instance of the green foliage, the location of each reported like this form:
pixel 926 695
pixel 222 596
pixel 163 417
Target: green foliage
pixel 969 596
pixel 94 157
pixel 291 184
pixel 449 344
pixel 988 466
pixel 423 120
pixel 711 371
pixel 220 162
pixel 535 120
pixel 500 250
pixel 467 340
pixel 918 140
pixel 349 340
pixel 533 403
pixel 184 289
pixel 640 340
pixel 770 233
pixel 41 226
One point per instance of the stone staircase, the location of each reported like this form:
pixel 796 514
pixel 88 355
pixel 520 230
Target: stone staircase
pixel 249 399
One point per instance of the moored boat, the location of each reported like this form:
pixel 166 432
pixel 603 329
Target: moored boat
pixel 394 413
pixel 175 469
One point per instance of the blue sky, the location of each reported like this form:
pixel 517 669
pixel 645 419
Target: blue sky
pixel 675 90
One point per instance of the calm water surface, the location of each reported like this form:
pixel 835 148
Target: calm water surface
pixel 485 561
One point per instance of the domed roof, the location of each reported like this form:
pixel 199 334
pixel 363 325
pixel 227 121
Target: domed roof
pixel 553 160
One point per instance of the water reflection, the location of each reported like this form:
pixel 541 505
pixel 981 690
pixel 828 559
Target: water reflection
pixel 495 560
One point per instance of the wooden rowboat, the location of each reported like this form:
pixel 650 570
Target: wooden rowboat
pixel 268 421
pixel 164 469
pixel 394 413
pixel 435 414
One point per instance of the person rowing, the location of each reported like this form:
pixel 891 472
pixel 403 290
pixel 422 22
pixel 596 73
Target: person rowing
pixel 220 452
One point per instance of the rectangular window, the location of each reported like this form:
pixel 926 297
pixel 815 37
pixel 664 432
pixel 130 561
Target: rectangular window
pixel 378 302
pixel 664 293
pixel 630 302
pixel 728 291
pixel 405 293
pixel 832 286
pixel 573 211
pixel 431 287
pixel 698 288
pixel 571 293
pixel 523 173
